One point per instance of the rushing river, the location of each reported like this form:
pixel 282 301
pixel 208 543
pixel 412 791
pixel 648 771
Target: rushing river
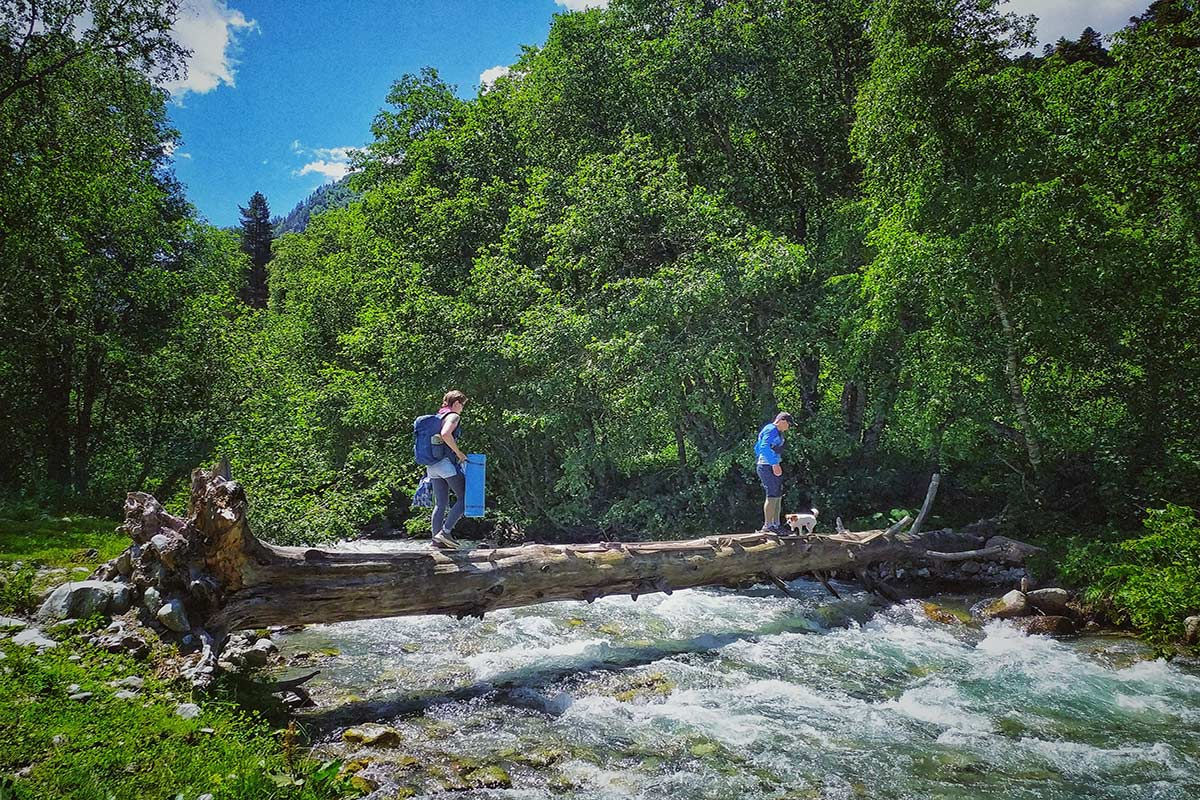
pixel 721 694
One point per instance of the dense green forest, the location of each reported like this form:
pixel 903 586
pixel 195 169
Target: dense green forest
pixel 938 250
pixel 331 195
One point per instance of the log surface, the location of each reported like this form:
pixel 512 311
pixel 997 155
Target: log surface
pixel 229 580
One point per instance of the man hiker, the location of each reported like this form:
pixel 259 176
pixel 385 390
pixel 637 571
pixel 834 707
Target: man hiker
pixel 446 475
pixel 769 466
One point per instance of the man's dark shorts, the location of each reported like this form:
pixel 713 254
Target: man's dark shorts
pixel 771 482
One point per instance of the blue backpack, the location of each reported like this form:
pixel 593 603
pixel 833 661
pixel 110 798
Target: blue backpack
pixel 425 450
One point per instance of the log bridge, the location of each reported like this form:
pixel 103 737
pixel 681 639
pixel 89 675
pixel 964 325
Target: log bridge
pixel 225 579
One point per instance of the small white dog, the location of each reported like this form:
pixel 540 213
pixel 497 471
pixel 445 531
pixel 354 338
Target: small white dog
pixel 803 523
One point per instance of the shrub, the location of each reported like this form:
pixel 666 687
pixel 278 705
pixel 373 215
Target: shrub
pixel 1150 581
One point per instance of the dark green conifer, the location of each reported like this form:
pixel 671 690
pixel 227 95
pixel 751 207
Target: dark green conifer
pixel 256 243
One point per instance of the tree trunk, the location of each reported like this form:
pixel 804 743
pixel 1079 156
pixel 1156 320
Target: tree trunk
pixel 89 389
pixel 226 579
pixel 1012 370
pixel 56 399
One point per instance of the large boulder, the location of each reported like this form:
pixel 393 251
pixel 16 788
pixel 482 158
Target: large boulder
pixel 1046 625
pixel 82 599
pixel 1013 604
pixel 1050 601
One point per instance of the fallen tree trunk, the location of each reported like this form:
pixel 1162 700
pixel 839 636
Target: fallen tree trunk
pixel 210 567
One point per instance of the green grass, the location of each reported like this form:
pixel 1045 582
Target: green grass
pixel 138 748
pixel 60 541
pixel 76 543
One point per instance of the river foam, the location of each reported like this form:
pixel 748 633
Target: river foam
pixel 715 694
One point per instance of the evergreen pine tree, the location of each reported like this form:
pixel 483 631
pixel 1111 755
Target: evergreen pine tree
pixel 256 243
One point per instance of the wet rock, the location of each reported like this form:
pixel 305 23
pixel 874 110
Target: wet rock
pixel 373 735
pixel 539 758
pixel 174 616
pixel 1191 630
pixel 81 599
pixel 1050 601
pixel 646 686
pixel 364 783
pixel 1046 625
pixel 970 568
pixel 944 615
pixel 489 777
pixel 1013 604
pixel 32 637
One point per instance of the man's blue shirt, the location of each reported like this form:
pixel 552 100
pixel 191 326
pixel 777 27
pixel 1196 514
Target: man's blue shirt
pixel 768 444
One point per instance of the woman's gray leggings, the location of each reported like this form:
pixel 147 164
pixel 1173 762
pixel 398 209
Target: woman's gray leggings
pixel 444 522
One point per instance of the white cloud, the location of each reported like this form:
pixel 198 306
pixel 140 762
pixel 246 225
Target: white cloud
pixel 210 29
pixel 489 76
pixel 581 5
pixel 334 170
pixel 333 153
pixel 1058 18
pixel 332 162
pixel 183 155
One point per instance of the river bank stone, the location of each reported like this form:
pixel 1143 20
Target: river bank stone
pixel 187 710
pixel 1012 604
pixel 82 599
pixel 1046 625
pixel 32 637
pixel 152 600
pixel 1050 601
pixel 174 616
pixel 118 638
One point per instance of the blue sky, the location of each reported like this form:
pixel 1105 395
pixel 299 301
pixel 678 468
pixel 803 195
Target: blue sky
pixel 278 90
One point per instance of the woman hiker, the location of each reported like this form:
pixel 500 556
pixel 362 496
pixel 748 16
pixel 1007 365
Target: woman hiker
pixel 447 475
pixel 769 466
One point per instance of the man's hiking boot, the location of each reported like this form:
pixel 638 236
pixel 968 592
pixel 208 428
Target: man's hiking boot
pixel 444 541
